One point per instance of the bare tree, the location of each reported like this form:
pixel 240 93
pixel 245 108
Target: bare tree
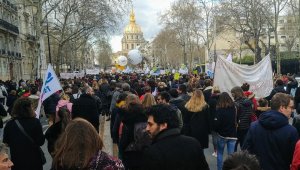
pixel 104 54
pixel 246 17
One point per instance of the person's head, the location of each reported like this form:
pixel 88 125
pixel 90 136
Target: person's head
pixel 241 161
pixel 125 87
pixel 161 117
pixel 283 103
pixel 148 100
pixel 163 98
pixel 262 102
pixel 215 90
pixel 131 99
pixel 237 92
pixel 279 82
pixel 64 97
pixel 5 162
pixel 67 89
pixel 13 92
pixel 207 82
pixel 224 101
pixel 64 115
pixel 23 108
pixel 245 87
pixel 173 92
pixel 147 89
pixel 197 102
pixel 182 89
pixel 88 90
pixel 77 145
pixel 33 90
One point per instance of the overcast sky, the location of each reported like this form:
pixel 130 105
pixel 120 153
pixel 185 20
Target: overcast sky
pixel 147 17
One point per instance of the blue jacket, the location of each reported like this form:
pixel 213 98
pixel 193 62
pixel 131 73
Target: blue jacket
pixel 272 139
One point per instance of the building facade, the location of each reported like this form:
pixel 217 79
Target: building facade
pixel 10 44
pixel 132 36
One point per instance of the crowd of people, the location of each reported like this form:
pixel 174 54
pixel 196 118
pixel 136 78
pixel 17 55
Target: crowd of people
pixel 155 123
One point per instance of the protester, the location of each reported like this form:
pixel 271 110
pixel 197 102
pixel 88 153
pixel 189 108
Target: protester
pixel 296 157
pixel 196 118
pixel 148 100
pixel 25 154
pixel 263 106
pixel 34 97
pixel 5 162
pixel 225 126
pixel 244 111
pixel 131 117
pixel 86 107
pixel 79 147
pixel 272 139
pixel 53 132
pixel 241 161
pixel 212 102
pixel 182 93
pixel 170 150
pixel 164 98
pixel 3 92
pixel 279 88
pixel 12 97
pixel 50 107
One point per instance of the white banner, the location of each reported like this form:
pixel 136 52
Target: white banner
pixel 71 75
pixel 51 85
pixel 258 76
pixel 94 71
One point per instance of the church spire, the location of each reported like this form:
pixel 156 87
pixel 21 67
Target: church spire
pixel 132 16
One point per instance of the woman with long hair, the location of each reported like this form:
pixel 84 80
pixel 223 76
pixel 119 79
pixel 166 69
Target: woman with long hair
pixel 225 126
pixel 25 154
pixel 79 147
pixel 131 114
pixel 54 131
pixel 196 118
pixel 148 100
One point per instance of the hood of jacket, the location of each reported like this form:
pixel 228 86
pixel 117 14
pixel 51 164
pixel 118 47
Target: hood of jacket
pixel 244 101
pixel 273 119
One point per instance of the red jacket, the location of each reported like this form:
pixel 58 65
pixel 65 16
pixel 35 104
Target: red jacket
pixel 296 158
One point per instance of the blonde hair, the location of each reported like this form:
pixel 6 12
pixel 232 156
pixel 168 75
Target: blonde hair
pixel 65 97
pixel 148 100
pixel 197 102
pixel 215 89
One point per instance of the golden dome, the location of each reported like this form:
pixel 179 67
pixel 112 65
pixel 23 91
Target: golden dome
pixel 132 27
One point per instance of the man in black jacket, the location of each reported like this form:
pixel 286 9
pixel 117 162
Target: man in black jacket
pixel 86 107
pixel 170 149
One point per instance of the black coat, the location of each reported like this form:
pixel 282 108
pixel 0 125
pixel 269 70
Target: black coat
pixel 24 154
pixel 86 107
pixel 197 125
pixel 172 151
pixel 131 159
pixel 52 135
pixel 50 104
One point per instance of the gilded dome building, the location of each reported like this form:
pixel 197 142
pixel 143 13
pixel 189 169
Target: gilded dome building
pixel 132 36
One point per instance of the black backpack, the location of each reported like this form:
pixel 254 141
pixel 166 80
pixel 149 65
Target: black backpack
pixel 141 138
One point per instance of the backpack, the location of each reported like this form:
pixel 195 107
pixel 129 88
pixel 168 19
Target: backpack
pixel 141 138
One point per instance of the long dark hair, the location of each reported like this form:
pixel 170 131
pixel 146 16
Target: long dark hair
pixel 224 101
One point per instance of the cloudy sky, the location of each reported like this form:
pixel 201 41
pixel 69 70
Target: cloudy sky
pixel 147 16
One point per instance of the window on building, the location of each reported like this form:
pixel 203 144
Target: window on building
pixel 271 36
pixel 289 21
pixel 127 46
pixel 283 36
pixel 137 37
pixel 282 45
pixel 137 44
pixel 132 46
pixel 281 21
pixel 281 28
pixel 132 37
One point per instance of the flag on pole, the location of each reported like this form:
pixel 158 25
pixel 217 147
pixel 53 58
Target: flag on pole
pixel 50 85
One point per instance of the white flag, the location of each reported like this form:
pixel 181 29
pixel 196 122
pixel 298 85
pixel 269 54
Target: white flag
pixel 229 57
pixel 50 85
